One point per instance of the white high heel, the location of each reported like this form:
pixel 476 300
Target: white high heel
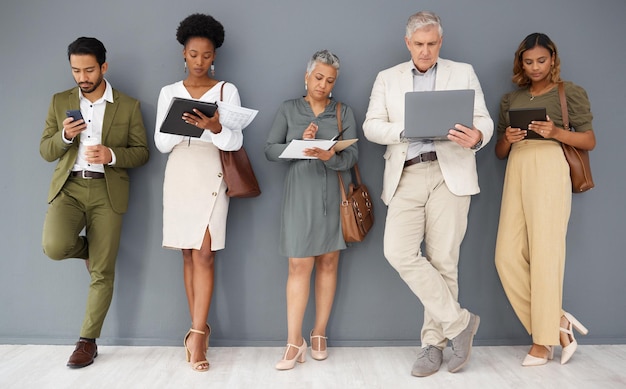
pixel 569 350
pixel 318 354
pixel 531 360
pixel 286 364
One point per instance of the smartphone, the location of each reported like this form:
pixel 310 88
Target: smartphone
pixel 74 114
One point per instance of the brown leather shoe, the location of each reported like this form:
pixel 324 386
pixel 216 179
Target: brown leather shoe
pixel 83 355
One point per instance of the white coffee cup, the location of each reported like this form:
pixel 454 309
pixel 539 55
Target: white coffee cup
pixel 88 142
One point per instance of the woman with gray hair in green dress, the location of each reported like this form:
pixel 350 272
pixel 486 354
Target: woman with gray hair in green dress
pixel 311 234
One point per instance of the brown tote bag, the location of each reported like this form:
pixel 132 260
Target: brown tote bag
pixel 356 210
pixel 578 160
pixel 238 174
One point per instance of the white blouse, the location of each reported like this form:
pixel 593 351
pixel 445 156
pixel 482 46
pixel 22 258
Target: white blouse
pixel 229 139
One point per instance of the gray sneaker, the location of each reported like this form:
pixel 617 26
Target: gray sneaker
pixel 462 345
pixel 428 361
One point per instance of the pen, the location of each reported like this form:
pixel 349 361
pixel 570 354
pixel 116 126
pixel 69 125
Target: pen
pixel 336 137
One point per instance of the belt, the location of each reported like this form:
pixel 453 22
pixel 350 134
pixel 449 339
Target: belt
pixel 86 174
pixel 424 157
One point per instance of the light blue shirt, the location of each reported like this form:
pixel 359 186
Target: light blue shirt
pixel 422 82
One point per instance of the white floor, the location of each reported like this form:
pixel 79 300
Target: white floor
pixel 32 366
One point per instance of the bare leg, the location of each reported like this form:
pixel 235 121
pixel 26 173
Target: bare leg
pixel 325 286
pixel 188 279
pixel 564 337
pixel 298 287
pixel 199 285
pixel 539 351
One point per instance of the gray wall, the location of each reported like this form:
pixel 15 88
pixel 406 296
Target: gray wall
pixel 265 52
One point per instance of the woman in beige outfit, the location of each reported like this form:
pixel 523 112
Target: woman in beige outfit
pixel 195 205
pixel 537 195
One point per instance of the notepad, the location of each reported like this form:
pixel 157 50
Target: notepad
pixel 295 148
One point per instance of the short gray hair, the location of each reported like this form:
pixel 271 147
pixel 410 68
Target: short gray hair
pixel 422 19
pixel 325 57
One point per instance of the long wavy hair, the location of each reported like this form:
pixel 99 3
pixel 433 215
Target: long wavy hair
pixel 533 40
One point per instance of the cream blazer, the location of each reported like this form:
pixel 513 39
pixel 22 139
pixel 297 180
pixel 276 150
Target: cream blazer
pixel 384 123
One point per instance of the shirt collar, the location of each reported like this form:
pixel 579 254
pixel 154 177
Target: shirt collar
pixel 107 96
pixel 428 72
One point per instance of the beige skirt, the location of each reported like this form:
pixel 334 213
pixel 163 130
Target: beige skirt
pixel 194 197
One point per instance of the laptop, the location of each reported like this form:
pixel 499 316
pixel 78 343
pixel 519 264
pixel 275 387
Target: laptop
pixel 521 118
pixel 430 115
pixel 174 123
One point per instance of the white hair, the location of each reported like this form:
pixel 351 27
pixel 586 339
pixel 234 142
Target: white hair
pixel 422 19
pixel 325 57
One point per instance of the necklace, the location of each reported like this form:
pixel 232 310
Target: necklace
pixel 542 91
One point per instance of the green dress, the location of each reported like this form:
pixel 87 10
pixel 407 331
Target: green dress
pixel 310 223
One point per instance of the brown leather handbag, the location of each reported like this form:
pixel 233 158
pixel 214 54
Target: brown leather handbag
pixel 238 174
pixel 578 160
pixel 356 210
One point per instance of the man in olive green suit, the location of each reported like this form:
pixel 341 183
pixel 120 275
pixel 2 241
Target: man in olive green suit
pixel 90 185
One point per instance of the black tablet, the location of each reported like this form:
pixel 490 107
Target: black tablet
pixel 174 123
pixel 521 118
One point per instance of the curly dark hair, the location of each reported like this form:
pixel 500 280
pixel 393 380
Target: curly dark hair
pixel 200 25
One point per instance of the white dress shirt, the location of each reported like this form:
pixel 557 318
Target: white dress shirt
pixel 93 114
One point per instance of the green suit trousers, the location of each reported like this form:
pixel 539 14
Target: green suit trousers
pixel 84 204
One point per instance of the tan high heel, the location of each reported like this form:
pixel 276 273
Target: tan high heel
pixel 200 366
pixel 207 336
pixel 318 354
pixel 532 360
pixel 286 364
pixel 569 350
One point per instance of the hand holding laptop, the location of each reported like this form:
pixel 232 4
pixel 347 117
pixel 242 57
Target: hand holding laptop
pixel 465 137
pixel 429 115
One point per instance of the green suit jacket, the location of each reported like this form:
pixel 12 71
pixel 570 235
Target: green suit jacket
pixel 122 131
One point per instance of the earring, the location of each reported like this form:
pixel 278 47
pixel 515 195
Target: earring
pixel 306 86
pixel 185 66
pixel 330 95
pixel 212 69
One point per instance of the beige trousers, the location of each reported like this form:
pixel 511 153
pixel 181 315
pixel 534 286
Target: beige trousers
pixel 530 248
pixel 424 210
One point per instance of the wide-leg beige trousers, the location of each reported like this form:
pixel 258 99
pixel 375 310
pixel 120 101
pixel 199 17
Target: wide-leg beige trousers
pixel 530 248
pixel 424 210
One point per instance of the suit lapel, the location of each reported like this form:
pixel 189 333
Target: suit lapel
pixel 73 102
pixel 407 79
pixel 109 114
pixel 443 75
pixel 73 99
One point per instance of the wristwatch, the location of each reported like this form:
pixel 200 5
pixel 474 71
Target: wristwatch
pixel 477 145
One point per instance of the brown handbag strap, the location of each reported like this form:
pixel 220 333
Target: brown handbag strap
pixel 222 91
pixel 563 105
pixel 356 167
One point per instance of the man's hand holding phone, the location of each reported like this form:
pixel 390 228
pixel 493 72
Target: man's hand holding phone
pixel 74 124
